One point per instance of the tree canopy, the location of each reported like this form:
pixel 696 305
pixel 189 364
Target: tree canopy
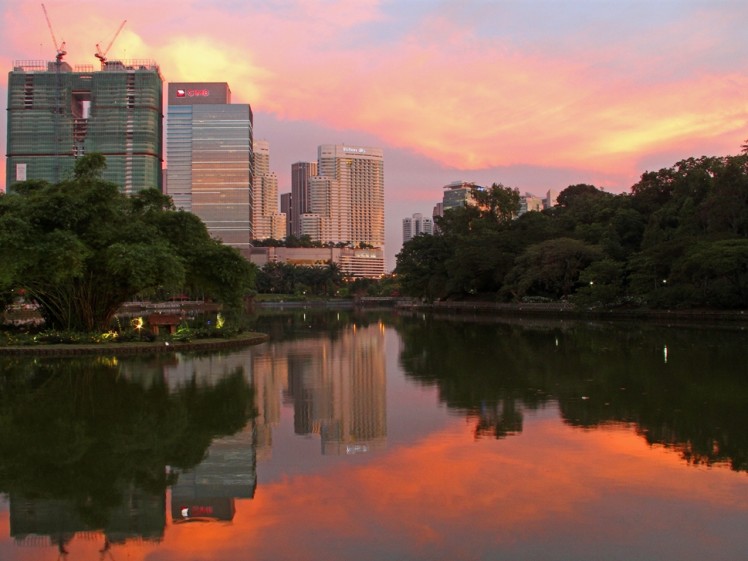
pixel 677 239
pixel 81 248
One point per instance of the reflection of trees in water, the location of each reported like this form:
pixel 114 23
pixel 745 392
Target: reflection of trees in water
pixel 683 388
pixel 80 431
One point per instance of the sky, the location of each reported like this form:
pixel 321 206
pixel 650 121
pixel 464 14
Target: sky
pixel 532 94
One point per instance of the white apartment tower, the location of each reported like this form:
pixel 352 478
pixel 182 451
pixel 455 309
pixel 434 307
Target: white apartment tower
pixel 347 196
pixel 416 225
pixel 266 220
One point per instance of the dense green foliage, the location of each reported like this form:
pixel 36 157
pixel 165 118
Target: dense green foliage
pixel 679 238
pixel 288 279
pixel 81 248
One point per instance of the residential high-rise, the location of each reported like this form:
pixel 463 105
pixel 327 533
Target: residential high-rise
pixel 301 172
pixel 416 225
pixel 348 195
pixel 210 158
pixel 57 113
pixel 267 222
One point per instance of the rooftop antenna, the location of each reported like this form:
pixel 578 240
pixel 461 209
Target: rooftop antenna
pixel 61 52
pixel 101 55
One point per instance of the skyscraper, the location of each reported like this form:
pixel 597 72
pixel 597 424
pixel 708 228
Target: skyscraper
pixel 458 194
pixel 285 208
pixel 301 172
pixel 417 225
pixel 267 222
pixel 57 113
pixel 210 158
pixel 348 195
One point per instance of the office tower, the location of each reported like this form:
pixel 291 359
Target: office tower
pixel 348 194
pixel 416 225
pixel 57 113
pixel 437 211
pixel 266 220
pixel 550 199
pixel 209 151
pixel 301 172
pixel 458 194
pixel 529 202
pixel 285 208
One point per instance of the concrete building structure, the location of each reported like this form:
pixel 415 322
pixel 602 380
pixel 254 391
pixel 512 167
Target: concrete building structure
pixel 352 261
pixel 457 194
pixel 417 225
pixel 210 155
pixel 347 196
pixel 529 202
pixel 57 113
pixel 551 199
pixel 285 208
pixel 267 221
pixel 301 173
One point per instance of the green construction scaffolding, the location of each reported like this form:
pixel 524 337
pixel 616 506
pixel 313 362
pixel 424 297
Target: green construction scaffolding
pixel 57 114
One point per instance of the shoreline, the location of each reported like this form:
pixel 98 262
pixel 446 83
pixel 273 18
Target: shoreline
pixel 159 347
pixel 569 311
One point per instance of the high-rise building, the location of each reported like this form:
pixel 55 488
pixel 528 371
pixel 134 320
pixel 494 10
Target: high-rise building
pixel 285 208
pixel 551 199
pixel 57 113
pixel 417 225
pixel 210 158
pixel 348 194
pixel 457 194
pixel 529 202
pixel 266 220
pixel 301 172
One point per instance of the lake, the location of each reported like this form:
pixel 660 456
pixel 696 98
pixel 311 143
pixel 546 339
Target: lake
pixel 385 436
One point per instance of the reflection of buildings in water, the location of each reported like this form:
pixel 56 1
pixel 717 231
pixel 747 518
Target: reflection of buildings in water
pixel 206 370
pixel 499 420
pixel 228 472
pixel 337 388
pixel 270 376
pixel 45 522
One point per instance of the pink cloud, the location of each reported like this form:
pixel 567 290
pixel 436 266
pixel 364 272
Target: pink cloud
pixel 596 97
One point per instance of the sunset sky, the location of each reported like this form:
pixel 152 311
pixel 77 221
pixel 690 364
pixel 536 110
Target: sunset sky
pixel 536 95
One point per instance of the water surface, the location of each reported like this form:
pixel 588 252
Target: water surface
pixel 376 436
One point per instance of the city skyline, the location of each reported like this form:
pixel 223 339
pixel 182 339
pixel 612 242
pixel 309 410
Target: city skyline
pixel 536 95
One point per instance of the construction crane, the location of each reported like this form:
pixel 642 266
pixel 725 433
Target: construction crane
pixel 61 52
pixel 57 110
pixel 102 55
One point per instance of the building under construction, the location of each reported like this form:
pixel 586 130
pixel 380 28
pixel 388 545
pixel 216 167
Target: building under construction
pixel 57 113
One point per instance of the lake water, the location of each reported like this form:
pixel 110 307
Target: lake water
pixel 377 436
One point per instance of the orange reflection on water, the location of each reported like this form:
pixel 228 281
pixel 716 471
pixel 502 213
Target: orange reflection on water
pixel 450 496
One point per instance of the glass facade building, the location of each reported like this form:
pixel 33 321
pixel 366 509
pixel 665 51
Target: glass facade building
pixel 57 113
pixel 210 159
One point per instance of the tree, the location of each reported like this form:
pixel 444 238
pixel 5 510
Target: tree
pixel 81 248
pixel 421 266
pixel 551 268
pixel 497 203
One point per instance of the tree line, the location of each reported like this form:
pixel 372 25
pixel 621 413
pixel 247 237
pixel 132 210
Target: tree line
pixel 678 239
pixel 81 248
